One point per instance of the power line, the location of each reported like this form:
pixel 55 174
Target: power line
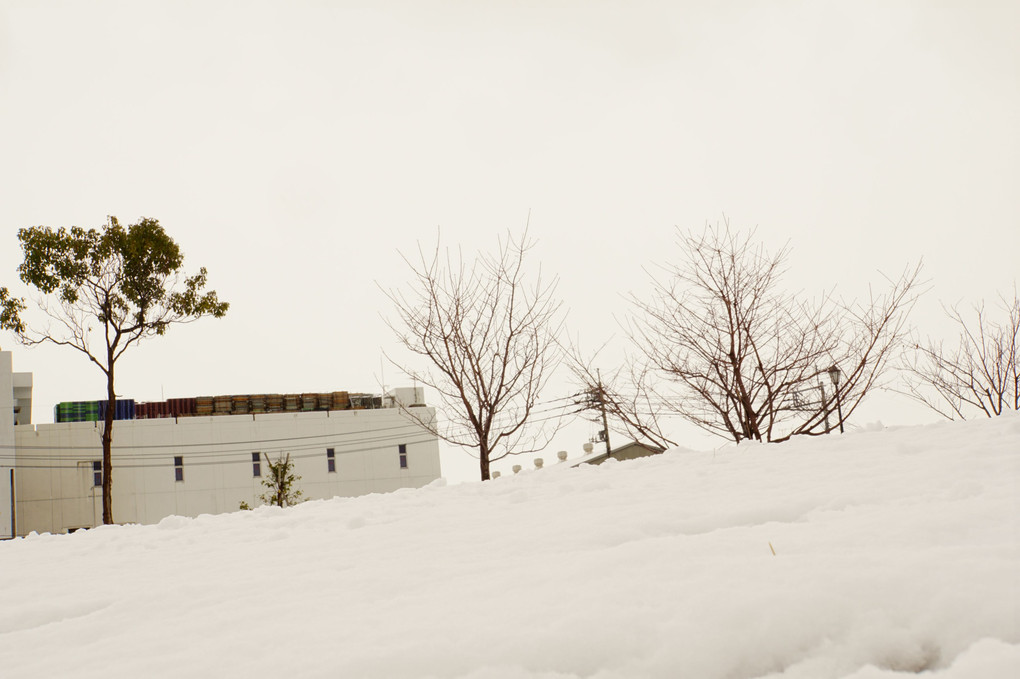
pixel 242 442
pixel 124 452
pixel 77 463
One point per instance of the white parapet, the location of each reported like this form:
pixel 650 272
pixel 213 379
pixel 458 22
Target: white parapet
pixel 407 397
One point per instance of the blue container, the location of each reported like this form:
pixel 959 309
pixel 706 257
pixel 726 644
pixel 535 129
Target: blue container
pixel 123 409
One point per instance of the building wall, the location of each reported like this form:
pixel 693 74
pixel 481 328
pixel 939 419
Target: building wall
pixel 6 442
pixel 54 479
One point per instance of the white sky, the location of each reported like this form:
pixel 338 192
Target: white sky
pixel 294 148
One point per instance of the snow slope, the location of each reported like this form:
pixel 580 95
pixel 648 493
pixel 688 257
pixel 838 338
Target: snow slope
pixel 896 552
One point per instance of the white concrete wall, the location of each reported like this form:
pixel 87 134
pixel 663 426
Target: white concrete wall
pixel 7 455
pixel 54 479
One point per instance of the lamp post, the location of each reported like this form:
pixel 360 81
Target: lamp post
pixel 834 376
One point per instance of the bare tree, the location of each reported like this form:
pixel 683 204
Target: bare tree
pixel 738 357
pixel 488 334
pixel 981 375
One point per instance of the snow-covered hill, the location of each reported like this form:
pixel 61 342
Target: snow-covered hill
pixel 895 551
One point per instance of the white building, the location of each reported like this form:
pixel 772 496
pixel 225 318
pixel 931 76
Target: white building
pixel 198 465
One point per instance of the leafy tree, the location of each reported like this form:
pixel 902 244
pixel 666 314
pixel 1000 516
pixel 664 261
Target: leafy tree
pixel 280 483
pixel 489 336
pixel 103 291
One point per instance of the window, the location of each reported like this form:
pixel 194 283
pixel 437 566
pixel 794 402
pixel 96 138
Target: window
pixel 330 460
pixel 256 464
pixel 403 455
pixel 178 468
pixel 97 473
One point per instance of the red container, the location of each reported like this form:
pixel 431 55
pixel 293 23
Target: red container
pixel 181 407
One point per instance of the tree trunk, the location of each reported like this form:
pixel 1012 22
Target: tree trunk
pixel 483 461
pixel 108 448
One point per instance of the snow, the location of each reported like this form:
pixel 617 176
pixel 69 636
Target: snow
pixel 897 551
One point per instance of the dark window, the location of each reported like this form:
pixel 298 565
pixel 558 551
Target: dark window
pixel 178 468
pixel 256 464
pixel 97 473
pixel 330 460
pixel 403 455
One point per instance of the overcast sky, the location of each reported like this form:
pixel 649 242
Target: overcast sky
pixel 296 148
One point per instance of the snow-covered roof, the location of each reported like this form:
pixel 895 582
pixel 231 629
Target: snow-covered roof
pixel 867 555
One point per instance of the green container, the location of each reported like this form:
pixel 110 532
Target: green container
pixel 76 411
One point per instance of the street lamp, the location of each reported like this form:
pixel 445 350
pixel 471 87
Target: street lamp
pixel 834 376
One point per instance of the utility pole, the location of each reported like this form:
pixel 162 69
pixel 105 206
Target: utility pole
pixel 595 399
pixel 825 406
pixel 602 405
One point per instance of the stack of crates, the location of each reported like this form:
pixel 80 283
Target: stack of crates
pixel 241 404
pixel 204 405
pixel 127 409
pixel 222 405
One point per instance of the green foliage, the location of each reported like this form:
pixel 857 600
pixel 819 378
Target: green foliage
pixel 10 312
pixel 280 483
pixel 127 281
